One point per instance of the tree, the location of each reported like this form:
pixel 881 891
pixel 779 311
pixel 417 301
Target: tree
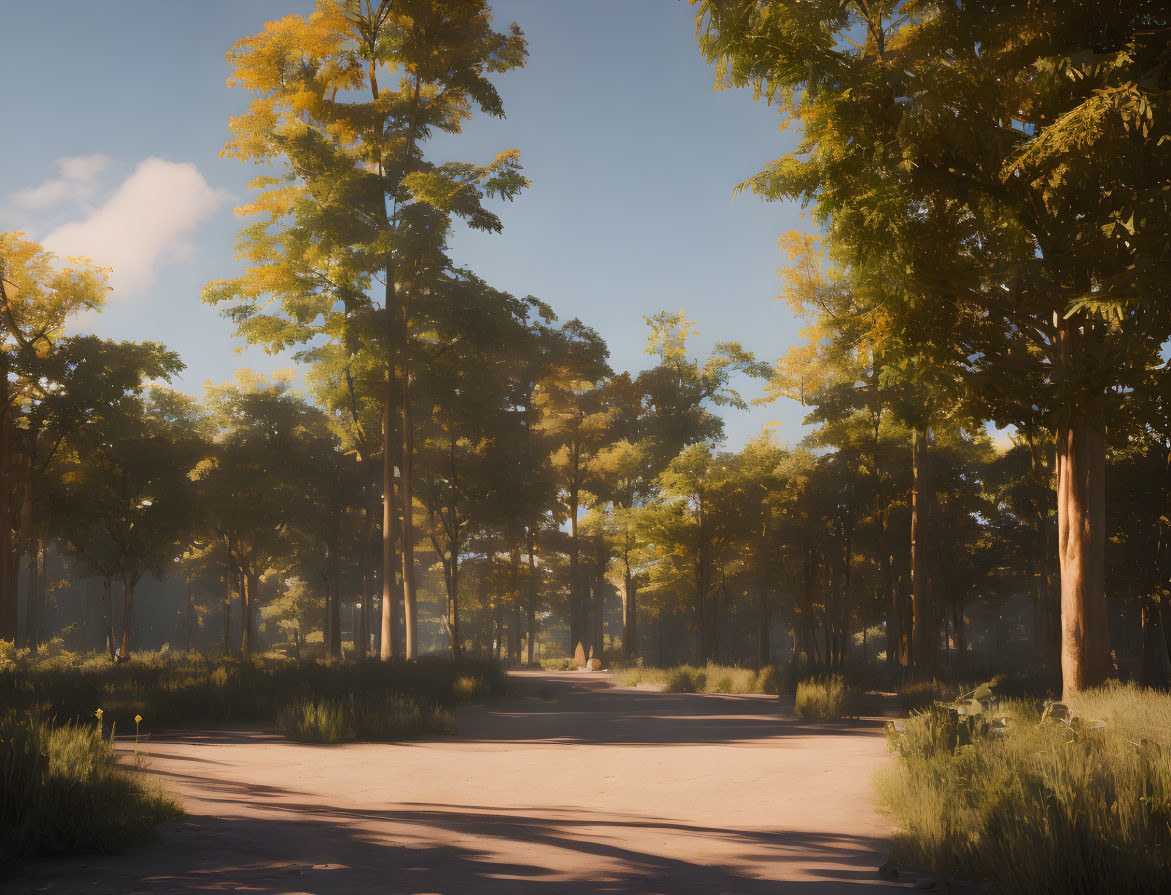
pixel 271 467
pixel 998 165
pixel 358 203
pixel 127 499
pixel 38 295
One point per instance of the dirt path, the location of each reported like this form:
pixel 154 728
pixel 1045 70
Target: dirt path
pixel 576 789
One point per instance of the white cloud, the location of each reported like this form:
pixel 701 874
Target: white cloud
pixel 76 183
pixel 150 220
pixel 84 168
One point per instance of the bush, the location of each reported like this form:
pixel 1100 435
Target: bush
pixel 708 679
pixel 171 689
pixel 1059 806
pixel 355 718
pixel 826 699
pixel 60 792
pixel 565 664
pixel 918 696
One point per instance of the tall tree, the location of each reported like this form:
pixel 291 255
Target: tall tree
pixel 127 500
pixel 38 295
pixel 358 204
pixel 1000 164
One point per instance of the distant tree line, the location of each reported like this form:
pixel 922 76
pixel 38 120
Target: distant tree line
pixel 990 185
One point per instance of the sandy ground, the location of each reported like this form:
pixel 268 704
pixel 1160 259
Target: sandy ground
pixel 574 789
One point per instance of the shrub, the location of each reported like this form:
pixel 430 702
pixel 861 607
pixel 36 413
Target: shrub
pixel 1065 806
pixel 774 680
pixel 171 689
pixel 353 718
pixel 826 699
pixel 564 664
pixel 708 679
pixel 918 696
pixel 61 793
pixel 685 679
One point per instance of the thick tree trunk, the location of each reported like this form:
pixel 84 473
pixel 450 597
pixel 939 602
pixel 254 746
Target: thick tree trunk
pixel 923 635
pixel 1081 528
pixel 127 617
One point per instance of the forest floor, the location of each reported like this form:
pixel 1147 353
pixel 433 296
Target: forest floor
pixel 575 788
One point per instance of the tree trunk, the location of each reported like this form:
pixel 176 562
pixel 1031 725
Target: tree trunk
pixel 763 647
pixel 577 636
pixel 923 633
pixel 532 598
pixel 514 595
pixel 108 616
pixel 34 603
pixel 228 611
pixel 629 614
pixel 364 614
pixel 248 587
pixel 1154 668
pixel 1081 525
pixel 408 535
pixel 8 593
pixel 187 616
pixel 388 636
pixel 127 617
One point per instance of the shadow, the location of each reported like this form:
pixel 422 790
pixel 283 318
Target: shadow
pixel 592 713
pixel 272 840
pixel 324 852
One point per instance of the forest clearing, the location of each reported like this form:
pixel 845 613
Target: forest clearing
pixel 575 789
pixel 719 446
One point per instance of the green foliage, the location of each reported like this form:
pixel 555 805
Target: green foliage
pixel 365 718
pixel 174 689
pixel 61 793
pixel 710 678
pixel 827 699
pixel 1040 808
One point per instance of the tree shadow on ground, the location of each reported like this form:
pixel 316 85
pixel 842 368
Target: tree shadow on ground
pixel 593 715
pixel 299 848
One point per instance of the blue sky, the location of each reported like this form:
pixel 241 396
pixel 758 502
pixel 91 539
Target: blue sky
pixel 632 155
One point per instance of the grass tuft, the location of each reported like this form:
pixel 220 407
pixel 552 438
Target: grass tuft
pixel 1041 807
pixel 826 699
pixel 61 792
pixel 710 678
pixel 354 718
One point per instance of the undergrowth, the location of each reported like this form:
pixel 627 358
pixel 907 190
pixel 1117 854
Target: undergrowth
pixel 826 699
pixel 61 792
pixel 709 679
pixel 1061 805
pixel 359 718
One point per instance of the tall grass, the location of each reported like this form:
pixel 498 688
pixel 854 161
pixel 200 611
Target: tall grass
pixel 826 699
pixel 707 679
pixel 354 718
pixel 171 689
pixel 1044 807
pixel 61 793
